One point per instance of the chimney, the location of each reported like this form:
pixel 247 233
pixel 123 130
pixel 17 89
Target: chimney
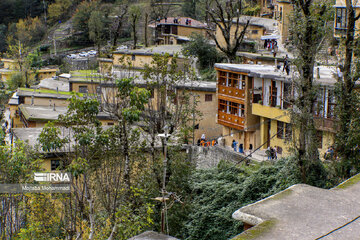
pixel 54 107
pixel 318 72
pixel 57 89
pixel 32 100
pixel 50 102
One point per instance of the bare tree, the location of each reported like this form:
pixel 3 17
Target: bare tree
pixel 226 16
pixel 119 18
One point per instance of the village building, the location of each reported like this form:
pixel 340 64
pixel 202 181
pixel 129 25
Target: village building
pixel 177 30
pixel 282 10
pixel 138 58
pixel 37 116
pixel 105 66
pixel 53 84
pixel 257 28
pixel 254 103
pixel 201 92
pixel 35 97
pixel 341 18
pixel 304 212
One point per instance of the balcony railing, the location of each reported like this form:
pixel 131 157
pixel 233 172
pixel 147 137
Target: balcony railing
pixel 231 91
pixel 231 120
pixel 325 124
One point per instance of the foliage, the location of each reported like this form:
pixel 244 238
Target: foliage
pixel 16 81
pixel 82 16
pixel 220 191
pixel 201 48
pixel 59 9
pixel 30 31
pixel 42 218
pixel 97 28
pixel 307 32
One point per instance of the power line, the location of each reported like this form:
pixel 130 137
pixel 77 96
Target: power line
pixel 336 229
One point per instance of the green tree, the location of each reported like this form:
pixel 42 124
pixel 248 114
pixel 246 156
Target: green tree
pixel 59 9
pixel 97 28
pixel 81 18
pixel 307 32
pixel 201 48
pixel 347 142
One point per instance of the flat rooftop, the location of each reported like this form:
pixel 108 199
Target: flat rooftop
pixel 44 93
pixel 305 212
pixel 52 84
pixel 327 74
pixel 269 24
pixel 48 113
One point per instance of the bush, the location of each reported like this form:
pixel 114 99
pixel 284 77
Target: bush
pixel 220 191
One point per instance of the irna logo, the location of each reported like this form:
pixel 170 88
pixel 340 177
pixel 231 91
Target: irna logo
pixel 52 177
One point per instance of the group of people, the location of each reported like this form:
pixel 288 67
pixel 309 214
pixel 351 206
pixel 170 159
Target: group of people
pixel 204 143
pixel 234 146
pixel 271 45
pixel 271 153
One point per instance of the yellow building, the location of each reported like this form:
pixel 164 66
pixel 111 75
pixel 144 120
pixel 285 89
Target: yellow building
pixel 37 116
pixel 178 30
pixel 46 73
pixel 234 111
pixel 35 97
pixel 283 9
pixel 341 18
pixel 204 93
pixel 269 97
pixel 105 65
pixel 139 57
pixel 257 28
pixel 266 8
pixel 10 64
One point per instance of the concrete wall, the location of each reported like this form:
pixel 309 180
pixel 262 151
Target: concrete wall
pixel 209 157
pixel 43 75
pixel 284 9
pixel 249 33
pixel 46 101
pixel 187 31
pixel 91 87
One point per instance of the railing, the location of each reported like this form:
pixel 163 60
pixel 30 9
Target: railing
pixel 327 124
pixel 231 120
pixel 231 91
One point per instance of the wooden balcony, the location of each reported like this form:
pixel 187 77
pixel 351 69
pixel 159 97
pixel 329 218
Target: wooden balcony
pixel 231 92
pixel 231 120
pixel 325 124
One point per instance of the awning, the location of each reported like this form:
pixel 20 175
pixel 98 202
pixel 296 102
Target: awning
pixel 267 37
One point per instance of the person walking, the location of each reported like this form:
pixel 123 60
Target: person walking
pixel 234 144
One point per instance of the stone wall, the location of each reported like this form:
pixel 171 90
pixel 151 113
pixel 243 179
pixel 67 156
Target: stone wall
pixel 208 157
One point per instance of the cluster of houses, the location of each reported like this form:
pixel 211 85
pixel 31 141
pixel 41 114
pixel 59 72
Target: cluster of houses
pixel 249 102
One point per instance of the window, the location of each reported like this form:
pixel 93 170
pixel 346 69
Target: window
pixel 110 124
pixel 232 108
pixel 133 57
pixel 340 20
pixel 280 130
pixel 83 89
pixel 273 94
pixel 55 164
pixel 254 31
pixel 208 97
pixel 152 93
